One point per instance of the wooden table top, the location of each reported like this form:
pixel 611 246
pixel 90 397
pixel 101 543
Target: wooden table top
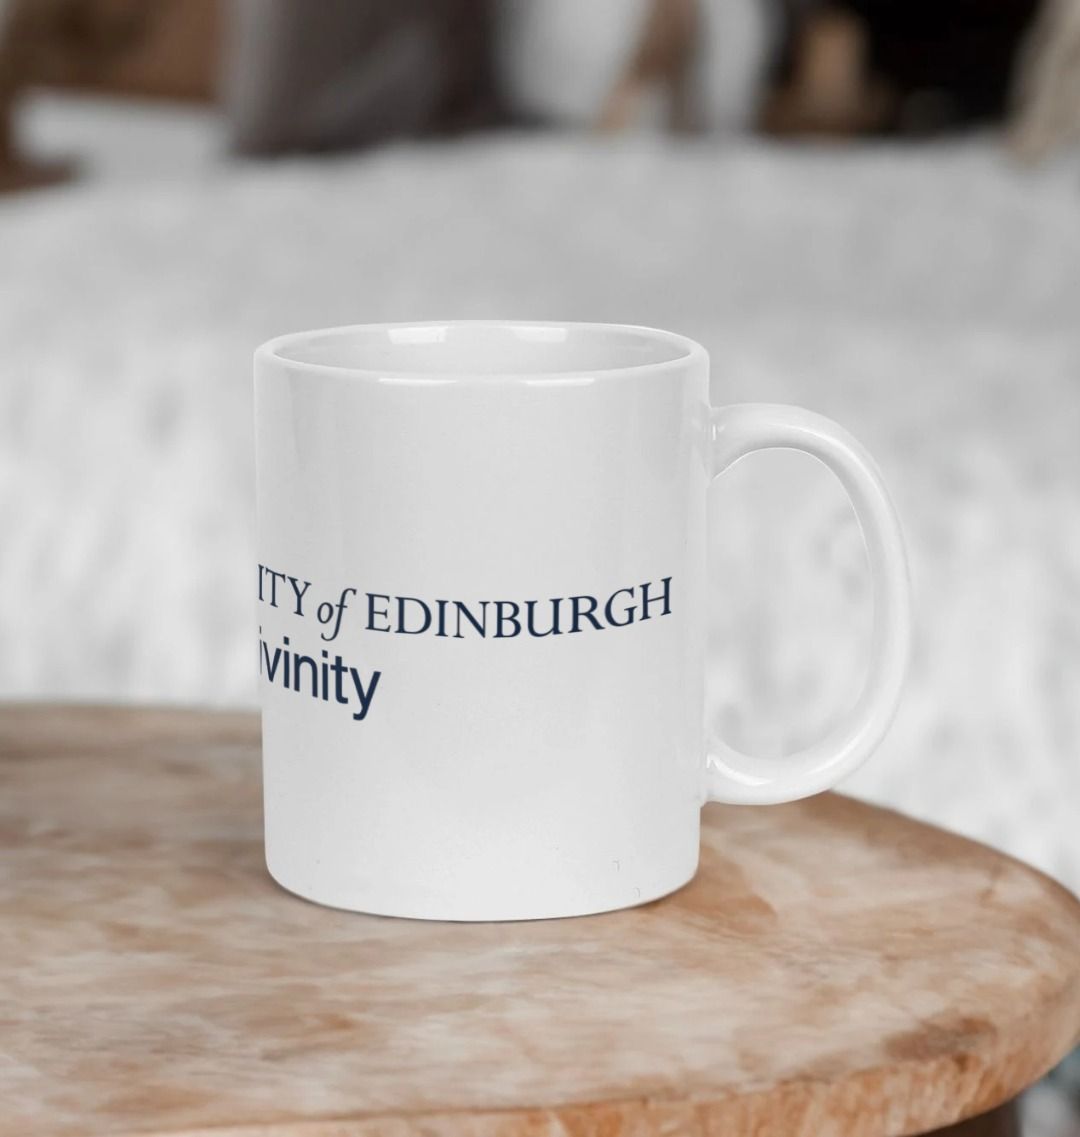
pixel 834 969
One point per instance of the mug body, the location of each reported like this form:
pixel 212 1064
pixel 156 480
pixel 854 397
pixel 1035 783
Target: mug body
pixel 481 558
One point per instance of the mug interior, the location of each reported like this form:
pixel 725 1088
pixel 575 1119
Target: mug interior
pixel 479 348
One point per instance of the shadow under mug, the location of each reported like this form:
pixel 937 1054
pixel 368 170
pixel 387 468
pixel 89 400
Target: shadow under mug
pixel 481 614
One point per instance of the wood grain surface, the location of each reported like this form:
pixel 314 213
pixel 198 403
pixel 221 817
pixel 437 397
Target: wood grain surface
pixel 834 969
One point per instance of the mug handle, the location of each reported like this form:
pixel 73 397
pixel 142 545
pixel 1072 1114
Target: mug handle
pixel 739 778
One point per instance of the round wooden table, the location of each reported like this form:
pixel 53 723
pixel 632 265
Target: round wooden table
pixel 834 969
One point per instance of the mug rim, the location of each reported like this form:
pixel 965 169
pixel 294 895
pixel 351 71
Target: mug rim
pixel 284 350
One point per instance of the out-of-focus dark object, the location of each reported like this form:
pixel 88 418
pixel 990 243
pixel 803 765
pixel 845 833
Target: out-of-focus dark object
pixel 1047 87
pixel 877 66
pixel 662 59
pixel 19 40
pixel 338 74
pixel 155 48
pixel 161 48
pixel 827 86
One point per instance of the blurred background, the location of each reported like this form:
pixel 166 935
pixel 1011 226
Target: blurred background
pixel 868 208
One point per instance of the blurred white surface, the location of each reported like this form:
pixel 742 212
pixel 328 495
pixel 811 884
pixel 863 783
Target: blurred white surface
pixel 924 297
pixel 121 139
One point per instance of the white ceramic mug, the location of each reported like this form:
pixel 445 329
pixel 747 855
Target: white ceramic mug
pixel 482 609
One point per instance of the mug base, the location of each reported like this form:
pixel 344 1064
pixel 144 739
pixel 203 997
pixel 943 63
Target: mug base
pixel 483 911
